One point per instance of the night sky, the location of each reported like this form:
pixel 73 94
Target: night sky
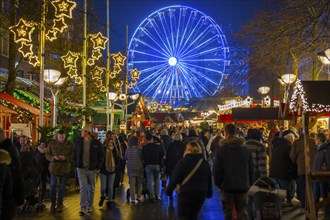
pixel 133 12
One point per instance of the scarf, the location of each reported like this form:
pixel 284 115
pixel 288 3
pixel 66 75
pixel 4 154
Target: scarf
pixel 109 161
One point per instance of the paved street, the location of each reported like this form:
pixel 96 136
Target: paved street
pixel 161 210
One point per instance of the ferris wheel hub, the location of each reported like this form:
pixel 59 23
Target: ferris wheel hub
pixel 172 61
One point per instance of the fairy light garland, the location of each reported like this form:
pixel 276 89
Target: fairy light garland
pixel 299 94
pixel 21 112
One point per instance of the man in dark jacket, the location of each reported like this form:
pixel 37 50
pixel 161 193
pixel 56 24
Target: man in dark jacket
pixel 233 173
pixel 153 154
pixel 88 156
pixel 16 197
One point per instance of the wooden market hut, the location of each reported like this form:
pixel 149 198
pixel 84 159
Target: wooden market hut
pixel 308 99
pixel 13 110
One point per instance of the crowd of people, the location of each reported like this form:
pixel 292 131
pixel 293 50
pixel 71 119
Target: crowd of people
pixel 176 158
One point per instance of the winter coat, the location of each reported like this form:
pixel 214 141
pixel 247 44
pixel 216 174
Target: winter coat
pixel 5 184
pixel 153 154
pixel 16 197
pixel 189 138
pixel 174 153
pixel 29 171
pixel 166 140
pixel 199 185
pixel 134 161
pixel 320 159
pixel 297 153
pixel 233 166
pixel 41 162
pixel 258 153
pixel 116 158
pixel 280 163
pixel 96 154
pixel 55 148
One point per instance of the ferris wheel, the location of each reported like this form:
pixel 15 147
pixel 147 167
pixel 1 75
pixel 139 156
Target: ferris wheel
pixel 181 54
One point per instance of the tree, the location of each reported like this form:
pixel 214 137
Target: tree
pixel 286 37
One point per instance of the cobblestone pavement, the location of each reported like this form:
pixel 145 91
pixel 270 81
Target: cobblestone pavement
pixel 164 209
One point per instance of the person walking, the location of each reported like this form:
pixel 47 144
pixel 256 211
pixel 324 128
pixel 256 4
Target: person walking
pixel 153 154
pixel 193 174
pixel 15 197
pixel 88 156
pixel 5 182
pixel 134 160
pixel 233 173
pixel 42 165
pixel 174 153
pixel 59 153
pixel 108 172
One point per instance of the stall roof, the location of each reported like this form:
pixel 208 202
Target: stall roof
pixel 19 103
pixel 255 114
pixel 312 96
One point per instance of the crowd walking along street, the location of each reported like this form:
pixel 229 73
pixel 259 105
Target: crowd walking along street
pixel 176 109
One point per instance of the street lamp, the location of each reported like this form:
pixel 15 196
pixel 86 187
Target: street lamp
pixel 286 80
pixel 324 56
pixel 53 78
pixel 263 91
pixel 113 97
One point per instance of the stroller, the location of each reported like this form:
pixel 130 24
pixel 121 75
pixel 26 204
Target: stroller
pixel 31 182
pixel 266 197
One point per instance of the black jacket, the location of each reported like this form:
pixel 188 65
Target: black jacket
pixel 96 154
pixel 152 154
pixel 16 198
pixel 233 166
pixel 174 153
pixel 41 162
pixel 199 185
pixel 5 183
pixel 280 162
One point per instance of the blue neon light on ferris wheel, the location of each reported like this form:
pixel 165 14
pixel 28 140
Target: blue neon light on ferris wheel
pixel 181 54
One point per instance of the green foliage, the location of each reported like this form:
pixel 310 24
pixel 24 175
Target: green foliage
pixel 46 132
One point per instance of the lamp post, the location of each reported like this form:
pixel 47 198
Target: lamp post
pixel 286 80
pixel 263 91
pixel 113 97
pixel 324 57
pixel 53 78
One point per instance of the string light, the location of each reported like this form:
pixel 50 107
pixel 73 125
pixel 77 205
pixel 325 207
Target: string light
pixel 59 25
pixel 119 59
pixel 51 35
pixel 21 111
pixel 34 61
pixel 96 54
pixel 135 73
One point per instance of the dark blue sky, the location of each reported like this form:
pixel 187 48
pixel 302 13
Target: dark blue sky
pixel 133 12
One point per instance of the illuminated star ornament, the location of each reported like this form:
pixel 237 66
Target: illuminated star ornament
pixel 51 35
pixel 72 72
pixel 90 62
pixel 103 89
pixel 70 59
pixel 119 59
pixel 63 8
pixel 135 73
pixel 22 31
pixel 118 85
pixel 78 80
pixel 34 61
pixel 97 72
pixel 26 49
pixel 99 41
pixel 59 25
pixel 96 54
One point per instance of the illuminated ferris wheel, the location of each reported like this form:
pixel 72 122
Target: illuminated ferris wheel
pixel 181 54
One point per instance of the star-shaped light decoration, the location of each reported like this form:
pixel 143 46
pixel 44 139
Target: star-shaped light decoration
pixel 70 59
pixel 97 72
pixel 59 24
pixel 90 62
pixel 26 49
pixel 22 31
pixel 133 81
pixel 99 41
pixel 135 73
pixel 96 54
pixel 72 72
pixel 154 104
pixel 117 69
pixel 98 83
pixel 118 85
pixel 130 86
pixel 51 35
pixel 63 8
pixel 34 61
pixel 112 75
pixel 103 89
pixel 119 59
pixel 78 80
